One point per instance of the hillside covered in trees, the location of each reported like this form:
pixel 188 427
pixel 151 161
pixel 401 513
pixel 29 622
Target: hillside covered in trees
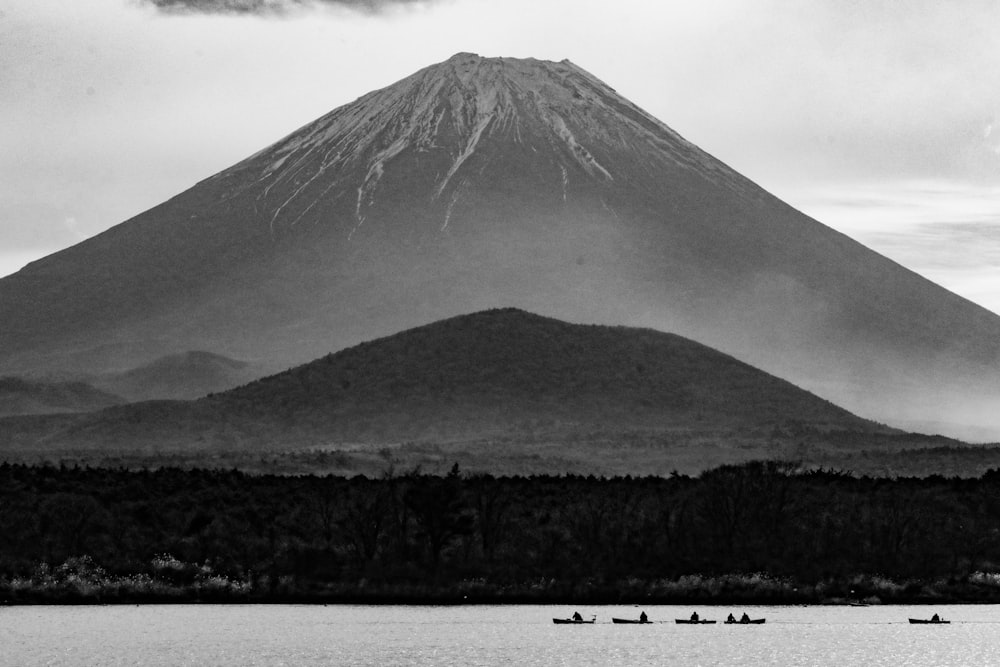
pixel 763 531
pixel 496 382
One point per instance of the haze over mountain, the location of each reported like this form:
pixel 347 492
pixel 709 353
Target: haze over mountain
pixel 178 376
pixel 483 182
pixel 175 376
pixel 19 396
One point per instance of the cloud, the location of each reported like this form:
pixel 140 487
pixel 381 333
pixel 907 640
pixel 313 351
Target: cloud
pixel 265 7
pixel 841 87
pixel 948 232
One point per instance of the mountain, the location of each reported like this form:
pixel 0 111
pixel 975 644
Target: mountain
pixel 499 375
pixel 485 182
pixel 179 376
pixel 20 396
pixel 508 372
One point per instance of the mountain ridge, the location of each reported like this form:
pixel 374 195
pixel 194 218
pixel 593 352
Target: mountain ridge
pixel 180 376
pixel 22 396
pixel 501 375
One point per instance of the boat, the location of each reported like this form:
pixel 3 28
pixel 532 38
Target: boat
pixel 749 621
pixel 570 621
pixel 928 621
pixel 688 621
pixel 630 620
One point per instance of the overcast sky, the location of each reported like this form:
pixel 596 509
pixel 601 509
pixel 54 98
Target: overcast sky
pixel 880 118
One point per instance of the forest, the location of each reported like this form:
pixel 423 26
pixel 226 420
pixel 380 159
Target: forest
pixel 764 531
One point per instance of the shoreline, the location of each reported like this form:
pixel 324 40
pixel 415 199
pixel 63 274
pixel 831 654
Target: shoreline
pixel 112 596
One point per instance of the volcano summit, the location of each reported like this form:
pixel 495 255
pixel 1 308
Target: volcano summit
pixel 485 182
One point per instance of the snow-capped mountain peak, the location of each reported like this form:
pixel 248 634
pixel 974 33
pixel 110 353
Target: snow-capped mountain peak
pixel 447 111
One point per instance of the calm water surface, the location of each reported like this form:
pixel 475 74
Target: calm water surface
pixel 508 635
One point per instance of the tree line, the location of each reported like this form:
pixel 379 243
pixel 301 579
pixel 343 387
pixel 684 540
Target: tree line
pixel 765 531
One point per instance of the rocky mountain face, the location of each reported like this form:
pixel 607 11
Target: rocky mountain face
pixel 490 182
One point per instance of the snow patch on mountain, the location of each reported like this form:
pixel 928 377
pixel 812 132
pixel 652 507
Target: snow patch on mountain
pixel 453 106
pixel 579 153
pixel 366 193
pixel 481 124
pixel 451 205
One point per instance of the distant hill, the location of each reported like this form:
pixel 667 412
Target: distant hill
pixel 179 376
pixel 19 396
pixel 506 371
pixel 501 375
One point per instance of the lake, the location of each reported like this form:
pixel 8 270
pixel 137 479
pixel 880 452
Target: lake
pixel 491 635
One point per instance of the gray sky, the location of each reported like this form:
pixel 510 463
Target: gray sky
pixel 880 118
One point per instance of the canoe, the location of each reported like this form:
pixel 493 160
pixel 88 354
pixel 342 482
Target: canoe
pixel 752 621
pixel 630 620
pixel 570 621
pixel 688 621
pixel 928 621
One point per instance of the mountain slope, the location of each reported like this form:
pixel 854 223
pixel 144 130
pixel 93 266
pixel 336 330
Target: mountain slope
pixel 478 183
pixel 495 374
pixel 503 371
pixel 19 396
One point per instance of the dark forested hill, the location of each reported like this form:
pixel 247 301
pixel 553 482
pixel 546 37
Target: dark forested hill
pixel 499 375
pixel 507 371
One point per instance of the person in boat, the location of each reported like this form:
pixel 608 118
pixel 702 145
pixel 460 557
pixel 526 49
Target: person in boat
pixel 643 618
pixel 744 618
pixel 576 616
pixel 935 618
pixel 730 618
pixel 694 616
